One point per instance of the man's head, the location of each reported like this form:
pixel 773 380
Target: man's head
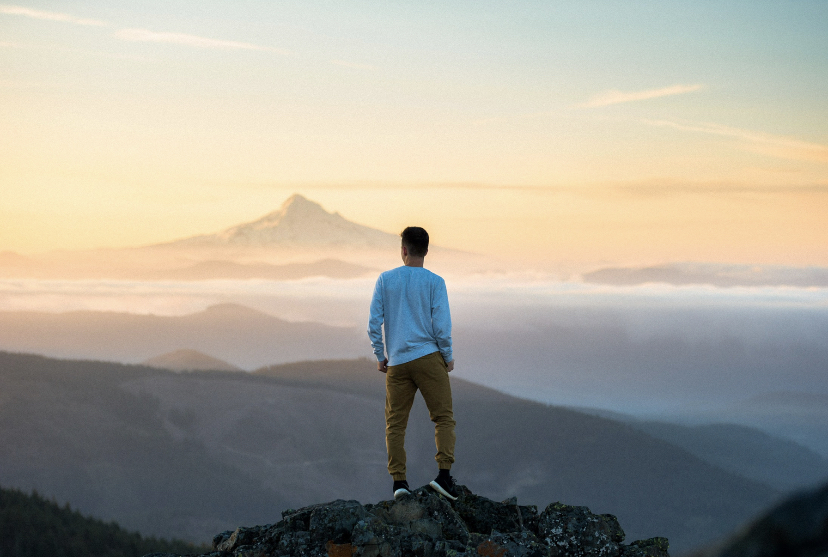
pixel 415 240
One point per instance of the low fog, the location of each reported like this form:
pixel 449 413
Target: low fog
pixel 691 353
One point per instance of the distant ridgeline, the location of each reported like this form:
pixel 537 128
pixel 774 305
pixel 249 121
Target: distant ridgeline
pixel 425 524
pixel 31 526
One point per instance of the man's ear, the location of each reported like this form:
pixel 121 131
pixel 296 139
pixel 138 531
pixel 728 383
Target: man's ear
pixel 405 251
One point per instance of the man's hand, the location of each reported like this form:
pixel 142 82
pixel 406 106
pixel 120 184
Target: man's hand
pixel 450 366
pixel 383 366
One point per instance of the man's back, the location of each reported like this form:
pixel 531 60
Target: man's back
pixel 411 304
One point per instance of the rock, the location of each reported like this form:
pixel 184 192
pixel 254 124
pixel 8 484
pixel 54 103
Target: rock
pixel 425 524
pixel 238 538
pixel 484 515
pixel 335 521
pixel 576 532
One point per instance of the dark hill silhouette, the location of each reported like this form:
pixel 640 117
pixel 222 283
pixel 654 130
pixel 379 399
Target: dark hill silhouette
pixel 796 527
pixel 33 526
pixel 192 454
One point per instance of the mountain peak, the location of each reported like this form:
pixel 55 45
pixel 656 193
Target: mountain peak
pixel 295 207
pixel 190 360
pixel 298 200
pixel 300 222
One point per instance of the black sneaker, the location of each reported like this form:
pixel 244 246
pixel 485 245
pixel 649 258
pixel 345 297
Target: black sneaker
pixel 445 485
pixel 401 488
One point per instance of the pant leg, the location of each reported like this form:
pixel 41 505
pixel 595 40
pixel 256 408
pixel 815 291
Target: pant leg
pixel 399 396
pixel 430 374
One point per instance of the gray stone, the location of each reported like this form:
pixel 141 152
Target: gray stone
pixel 576 532
pixel 512 544
pixel 335 521
pixel 425 524
pixel 483 515
pixel 241 536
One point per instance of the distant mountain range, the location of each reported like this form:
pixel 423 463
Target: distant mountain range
pixel 299 222
pixel 749 452
pixel 802 417
pixel 189 360
pixel 715 274
pixel 191 454
pixel 300 239
pixel 217 269
pixel 542 363
pixel 242 336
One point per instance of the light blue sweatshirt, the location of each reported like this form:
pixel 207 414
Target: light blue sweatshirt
pixel 411 305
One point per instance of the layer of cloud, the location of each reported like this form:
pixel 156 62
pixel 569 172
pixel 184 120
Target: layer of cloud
pixel 50 16
pixel 144 35
pixel 617 97
pixel 778 146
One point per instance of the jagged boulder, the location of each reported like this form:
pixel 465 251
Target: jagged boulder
pixel 425 524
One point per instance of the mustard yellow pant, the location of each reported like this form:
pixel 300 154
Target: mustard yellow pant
pixel 429 375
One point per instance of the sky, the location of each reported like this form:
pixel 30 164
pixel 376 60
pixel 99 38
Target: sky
pixel 586 132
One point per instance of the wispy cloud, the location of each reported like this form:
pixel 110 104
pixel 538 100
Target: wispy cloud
pixel 144 35
pixel 779 146
pixel 617 97
pixel 50 16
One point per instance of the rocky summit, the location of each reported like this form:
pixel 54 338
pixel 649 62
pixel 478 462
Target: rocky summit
pixel 425 524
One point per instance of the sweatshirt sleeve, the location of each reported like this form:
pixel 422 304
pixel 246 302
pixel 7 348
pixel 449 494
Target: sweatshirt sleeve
pixel 375 322
pixel 441 320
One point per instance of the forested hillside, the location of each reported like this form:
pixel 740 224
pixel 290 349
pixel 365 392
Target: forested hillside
pixel 191 454
pixel 32 526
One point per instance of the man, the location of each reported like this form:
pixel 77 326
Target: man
pixel 411 304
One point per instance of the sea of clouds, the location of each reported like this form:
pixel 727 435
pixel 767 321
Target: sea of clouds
pixel 636 349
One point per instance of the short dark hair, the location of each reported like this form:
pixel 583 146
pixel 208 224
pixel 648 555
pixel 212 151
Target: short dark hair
pixel 416 240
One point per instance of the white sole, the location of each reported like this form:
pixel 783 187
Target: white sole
pixel 400 492
pixel 436 487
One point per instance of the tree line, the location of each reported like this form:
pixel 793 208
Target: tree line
pixel 33 526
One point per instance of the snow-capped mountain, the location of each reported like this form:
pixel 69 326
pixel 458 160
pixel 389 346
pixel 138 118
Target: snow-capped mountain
pixel 299 222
